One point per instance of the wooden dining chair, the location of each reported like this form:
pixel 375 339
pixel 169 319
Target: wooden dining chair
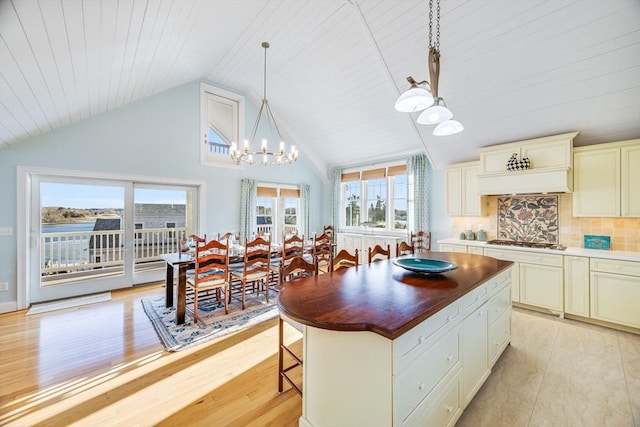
pixel 292 247
pixel 322 253
pixel 344 259
pixel 403 248
pixel 256 267
pixel 421 241
pixel 378 253
pixel 198 240
pixel 211 273
pixel 297 268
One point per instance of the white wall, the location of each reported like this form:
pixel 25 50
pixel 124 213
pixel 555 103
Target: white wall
pixel 157 137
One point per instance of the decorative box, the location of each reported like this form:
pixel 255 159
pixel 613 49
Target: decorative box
pixel 597 242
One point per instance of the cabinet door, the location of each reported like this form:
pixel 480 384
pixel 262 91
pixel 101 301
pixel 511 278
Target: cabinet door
pixel 596 183
pixel 476 250
pixel 541 286
pixel 475 367
pixel 495 160
pixel 615 298
pixel 630 176
pixel 471 201
pixel 576 285
pixel 453 187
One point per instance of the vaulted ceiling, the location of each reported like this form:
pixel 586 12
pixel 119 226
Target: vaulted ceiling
pixel 510 70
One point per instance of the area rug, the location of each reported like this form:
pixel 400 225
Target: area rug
pixel 212 322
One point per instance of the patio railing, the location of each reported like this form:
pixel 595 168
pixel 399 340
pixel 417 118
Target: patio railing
pixel 78 251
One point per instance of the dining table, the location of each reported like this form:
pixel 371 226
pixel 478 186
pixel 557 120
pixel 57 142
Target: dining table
pixel 185 261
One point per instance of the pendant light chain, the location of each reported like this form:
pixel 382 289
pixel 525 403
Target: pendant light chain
pixel 437 45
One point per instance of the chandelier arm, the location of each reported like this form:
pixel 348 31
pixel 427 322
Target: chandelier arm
pixel 272 120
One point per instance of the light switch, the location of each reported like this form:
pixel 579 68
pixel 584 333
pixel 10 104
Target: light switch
pixel 6 231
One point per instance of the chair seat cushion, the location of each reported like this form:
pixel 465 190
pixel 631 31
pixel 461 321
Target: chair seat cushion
pixel 250 276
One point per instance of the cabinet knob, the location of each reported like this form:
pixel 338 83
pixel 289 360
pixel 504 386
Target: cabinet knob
pixel 449 409
pixel 420 339
pixel 421 386
pixel 449 358
pixel 449 318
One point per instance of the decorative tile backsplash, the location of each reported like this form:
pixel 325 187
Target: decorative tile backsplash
pixel 528 218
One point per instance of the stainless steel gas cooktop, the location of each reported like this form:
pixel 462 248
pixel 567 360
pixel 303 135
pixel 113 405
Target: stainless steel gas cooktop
pixel 523 244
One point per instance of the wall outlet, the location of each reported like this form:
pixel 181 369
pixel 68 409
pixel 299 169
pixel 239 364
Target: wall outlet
pixel 4 286
pixel 6 231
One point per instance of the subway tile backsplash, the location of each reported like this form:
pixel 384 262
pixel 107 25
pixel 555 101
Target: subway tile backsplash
pixel 624 232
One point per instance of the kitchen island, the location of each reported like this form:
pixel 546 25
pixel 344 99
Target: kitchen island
pixel 384 346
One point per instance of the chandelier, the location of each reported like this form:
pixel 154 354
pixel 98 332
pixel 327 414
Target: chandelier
pixel 264 156
pixel 424 96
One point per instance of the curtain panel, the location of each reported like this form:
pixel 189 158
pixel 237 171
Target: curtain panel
pixel 336 182
pixel 418 180
pixel 248 194
pixel 305 207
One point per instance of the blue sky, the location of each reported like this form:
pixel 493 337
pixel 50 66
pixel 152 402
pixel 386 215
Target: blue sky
pixel 102 196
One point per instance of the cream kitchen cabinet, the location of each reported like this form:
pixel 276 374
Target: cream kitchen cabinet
pixel 548 152
pixel 576 285
pixel 615 291
pixel 474 352
pixel 448 247
pixel 461 190
pixel 537 279
pixel 607 180
pixel 550 171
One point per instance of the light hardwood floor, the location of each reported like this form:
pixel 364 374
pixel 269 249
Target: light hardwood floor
pixel 102 364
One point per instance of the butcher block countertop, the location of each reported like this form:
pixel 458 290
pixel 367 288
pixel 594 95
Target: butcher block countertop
pixel 382 297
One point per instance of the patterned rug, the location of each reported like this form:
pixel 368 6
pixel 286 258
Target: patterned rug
pixel 212 322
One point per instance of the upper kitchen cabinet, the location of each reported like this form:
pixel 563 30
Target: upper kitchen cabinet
pixel 607 180
pixel 461 182
pixel 551 163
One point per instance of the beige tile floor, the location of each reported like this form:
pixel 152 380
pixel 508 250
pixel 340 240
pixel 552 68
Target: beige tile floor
pixel 560 373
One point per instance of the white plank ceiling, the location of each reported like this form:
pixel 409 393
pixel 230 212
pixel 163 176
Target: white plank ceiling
pixel 510 69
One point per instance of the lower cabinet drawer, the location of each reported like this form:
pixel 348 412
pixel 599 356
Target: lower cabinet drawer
pixel 422 375
pixel 499 334
pixel 443 409
pixel 499 304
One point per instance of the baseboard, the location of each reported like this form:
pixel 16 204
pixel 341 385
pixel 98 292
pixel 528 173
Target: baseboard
pixel 8 306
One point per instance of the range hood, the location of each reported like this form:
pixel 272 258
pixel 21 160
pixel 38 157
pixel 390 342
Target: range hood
pixel 544 180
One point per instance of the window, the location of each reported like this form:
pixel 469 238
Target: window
pixel 222 117
pixel 375 198
pixel 277 210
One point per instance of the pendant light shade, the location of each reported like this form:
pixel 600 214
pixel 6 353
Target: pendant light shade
pixel 414 99
pixel 435 114
pixel 448 128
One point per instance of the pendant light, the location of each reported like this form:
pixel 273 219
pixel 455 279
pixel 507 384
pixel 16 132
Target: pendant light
pixel 418 98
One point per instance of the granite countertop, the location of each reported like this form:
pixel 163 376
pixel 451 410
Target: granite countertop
pixel 570 251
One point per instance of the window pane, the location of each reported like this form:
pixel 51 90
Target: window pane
pixel 400 202
pixel 376 203
pixel 351 199
pixel 264 214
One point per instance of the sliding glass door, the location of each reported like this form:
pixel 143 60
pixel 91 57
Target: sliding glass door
pixel 92 235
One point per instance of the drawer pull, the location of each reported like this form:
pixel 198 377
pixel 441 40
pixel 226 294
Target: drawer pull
pixel 449 409
pixel 617 267
pixel 421 386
